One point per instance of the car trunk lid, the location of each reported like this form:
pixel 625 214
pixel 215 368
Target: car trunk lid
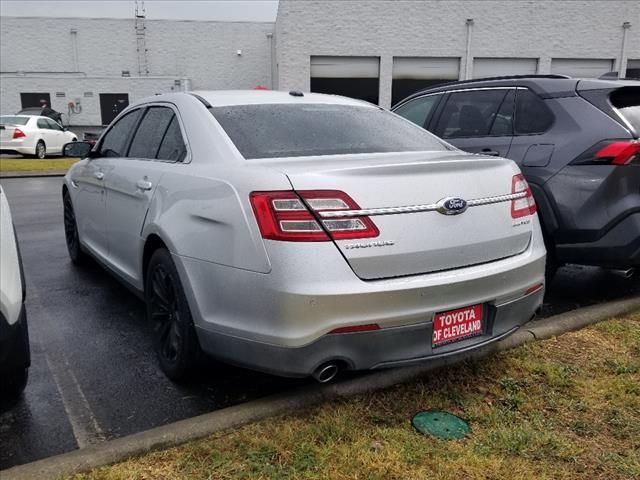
pixel 405 196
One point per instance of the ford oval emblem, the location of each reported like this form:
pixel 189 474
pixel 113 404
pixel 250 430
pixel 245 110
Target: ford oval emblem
pixel 452 206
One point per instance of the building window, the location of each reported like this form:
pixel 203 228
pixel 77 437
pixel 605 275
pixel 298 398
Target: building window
pixel 355 77
pixel 411 74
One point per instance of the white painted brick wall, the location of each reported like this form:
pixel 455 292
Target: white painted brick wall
pixel 543 29
pixel 204 52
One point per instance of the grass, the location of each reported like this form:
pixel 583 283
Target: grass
pixel 35 165
pixel 565 408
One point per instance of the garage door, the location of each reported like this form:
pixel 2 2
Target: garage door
pixel 498 67
pixel 356 77
pixel 633 68
pixel 581 68
pixel 411 74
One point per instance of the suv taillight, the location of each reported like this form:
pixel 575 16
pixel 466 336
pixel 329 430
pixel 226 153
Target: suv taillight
pixel 17 133
pixel 522 206
pixel 290 216
pixel 611 152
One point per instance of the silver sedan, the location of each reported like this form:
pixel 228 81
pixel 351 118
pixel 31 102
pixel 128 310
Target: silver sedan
pixel 301 234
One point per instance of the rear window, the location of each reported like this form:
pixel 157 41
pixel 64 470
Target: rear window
pixel 297 130
pixel 8 120
pixel 627 102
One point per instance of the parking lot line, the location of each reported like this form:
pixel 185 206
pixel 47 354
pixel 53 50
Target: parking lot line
pixel 85 426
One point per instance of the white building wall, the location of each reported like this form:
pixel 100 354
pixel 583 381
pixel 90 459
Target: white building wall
pixel 37 55
pixel 542 29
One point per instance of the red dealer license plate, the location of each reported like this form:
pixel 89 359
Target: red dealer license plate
pixel 457 324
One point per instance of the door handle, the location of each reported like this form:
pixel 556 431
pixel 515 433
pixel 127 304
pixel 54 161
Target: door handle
pixel 98 175
pixel 144 185
pixel 488 151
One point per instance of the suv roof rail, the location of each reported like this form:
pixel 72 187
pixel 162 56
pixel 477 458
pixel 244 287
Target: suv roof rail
pixel 505 77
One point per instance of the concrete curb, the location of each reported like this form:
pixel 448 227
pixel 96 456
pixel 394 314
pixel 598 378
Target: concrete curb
pixel 203 425
pixel 32 174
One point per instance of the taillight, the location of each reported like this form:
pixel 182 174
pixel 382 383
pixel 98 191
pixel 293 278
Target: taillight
pixel 17 133
pixel 611 152
pixel 525 205
pixel 290 216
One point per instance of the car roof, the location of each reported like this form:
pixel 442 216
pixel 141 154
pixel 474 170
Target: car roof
pixel 546 86
pixel 218 98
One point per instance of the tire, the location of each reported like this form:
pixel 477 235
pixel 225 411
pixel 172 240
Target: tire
pixel 41 150
pixel 12 385
pixel 168 313
pixel 72 238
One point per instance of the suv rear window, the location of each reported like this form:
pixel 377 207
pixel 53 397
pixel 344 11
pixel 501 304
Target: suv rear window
pixel 627 102
pixel 8 120
pixel 298 130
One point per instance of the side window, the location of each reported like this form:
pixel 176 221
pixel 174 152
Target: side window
pixel 173 147
pixel 419 109
pixel 114 143
pixel 53 125
pixel 532 115
pixel 42 123
pixel 503 121
pixel 470 114
pixel 146 142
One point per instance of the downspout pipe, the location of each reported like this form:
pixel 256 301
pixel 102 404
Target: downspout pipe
pixel 271 62
pixel 74 49
pixel 622 65
pixel 468 65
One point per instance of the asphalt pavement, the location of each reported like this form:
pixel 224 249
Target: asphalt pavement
pixel 94 376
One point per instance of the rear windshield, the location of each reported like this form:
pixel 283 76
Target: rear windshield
pixel 298 130
pixel 627 102
pixel 8 120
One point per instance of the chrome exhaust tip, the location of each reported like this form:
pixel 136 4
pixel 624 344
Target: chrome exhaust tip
pixel 326 372
pixel 625 273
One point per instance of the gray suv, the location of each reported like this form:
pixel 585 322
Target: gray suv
pixel 576 142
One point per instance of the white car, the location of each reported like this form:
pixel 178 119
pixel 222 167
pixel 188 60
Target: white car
pixel 14 337
pixel 33 135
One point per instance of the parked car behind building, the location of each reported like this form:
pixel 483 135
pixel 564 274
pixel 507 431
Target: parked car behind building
pixel 576 142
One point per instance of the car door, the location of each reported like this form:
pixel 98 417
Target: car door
pixel 57 136
pixel 532 147
pixel 478 120
pixel 419 110
pixel 89 183
pixel 45 133
pixel 130 185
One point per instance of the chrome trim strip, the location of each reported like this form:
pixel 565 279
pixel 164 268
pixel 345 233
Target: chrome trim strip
pixel 432 207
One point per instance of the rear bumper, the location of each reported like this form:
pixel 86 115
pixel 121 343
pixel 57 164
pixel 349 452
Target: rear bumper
pixel 389 347
pixel 14 343
pixel 280 322
pixel 17 146
pixel 618 248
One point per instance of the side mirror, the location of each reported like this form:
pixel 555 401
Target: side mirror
pixel 77 149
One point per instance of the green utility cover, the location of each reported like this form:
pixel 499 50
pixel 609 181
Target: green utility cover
pixel 443 425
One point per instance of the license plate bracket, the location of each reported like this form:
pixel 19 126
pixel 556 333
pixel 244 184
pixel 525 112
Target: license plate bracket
pixel 459 324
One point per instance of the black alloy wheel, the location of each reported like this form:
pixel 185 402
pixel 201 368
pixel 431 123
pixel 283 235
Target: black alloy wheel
pixel 174 335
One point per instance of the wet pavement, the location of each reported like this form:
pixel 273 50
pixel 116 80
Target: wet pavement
pixel 94 376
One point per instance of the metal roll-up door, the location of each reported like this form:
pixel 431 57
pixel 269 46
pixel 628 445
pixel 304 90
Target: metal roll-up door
pixel 345 67
pixel 356 77
pixel 411 74
pixel 581 67
pixel 499 67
